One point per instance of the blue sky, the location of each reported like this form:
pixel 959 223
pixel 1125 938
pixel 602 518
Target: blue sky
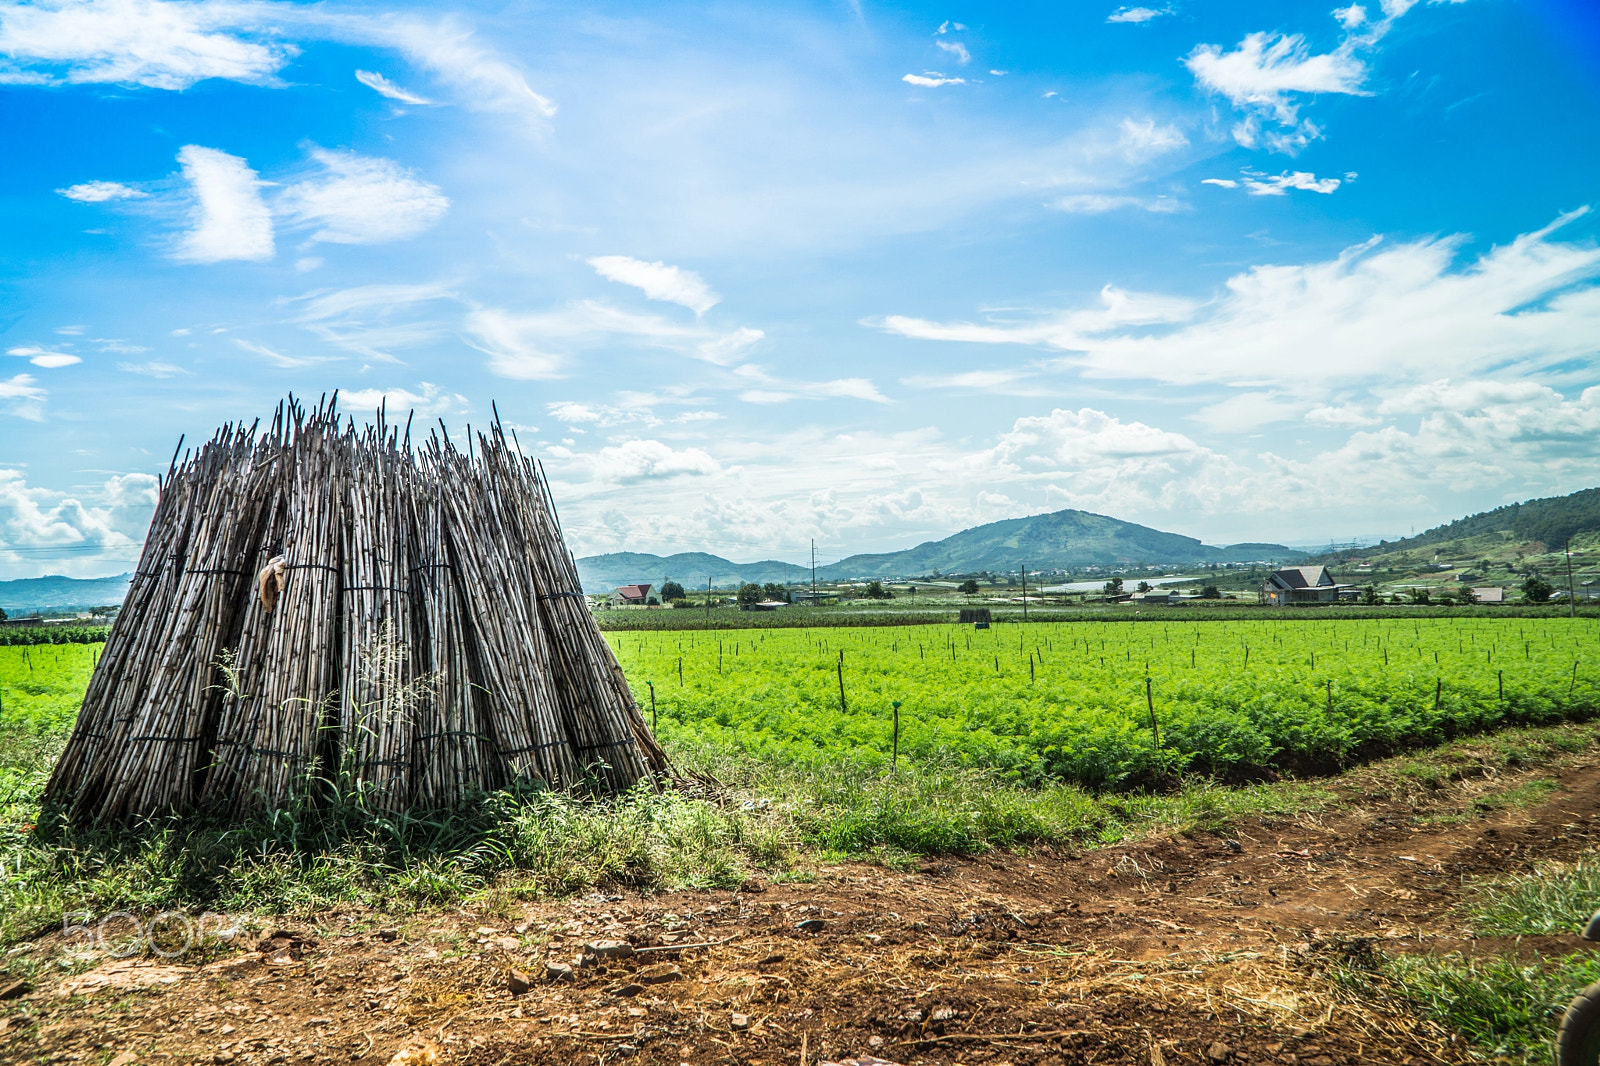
pixel 748 275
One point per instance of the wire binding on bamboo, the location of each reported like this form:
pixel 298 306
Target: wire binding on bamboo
pixel 431 642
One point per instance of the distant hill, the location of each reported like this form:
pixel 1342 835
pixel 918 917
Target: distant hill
pixel 1548 522
pixel 1060 540
pixel 29 594
pixel 602 573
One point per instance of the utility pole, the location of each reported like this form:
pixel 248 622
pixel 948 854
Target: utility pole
pixel 1024 592
pixel 813 571
pixel 1572 599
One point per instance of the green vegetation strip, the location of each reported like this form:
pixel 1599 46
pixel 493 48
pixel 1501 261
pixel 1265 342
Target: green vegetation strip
pixel 1108 706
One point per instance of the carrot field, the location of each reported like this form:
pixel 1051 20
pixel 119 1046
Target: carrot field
pixel 1107 704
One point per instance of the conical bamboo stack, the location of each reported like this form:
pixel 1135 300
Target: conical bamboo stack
pixel 431 641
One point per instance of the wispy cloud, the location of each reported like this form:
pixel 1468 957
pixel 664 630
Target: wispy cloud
pixel 956 49
pixel 1100 203
pixel 1258 184
pixel 1376 312
pixel 931 80
pixel 21 397
pixel 429 401
pixel 153 369
pixel 376 321
pixel 361 200
pixel 98 192
pixel 150 43
pixel 536 344
pixel 275 357
pixel 229 220
pixel 768 389
pixel 658 281
pixel 1137 14
pixel 383 86
pixel 1267 72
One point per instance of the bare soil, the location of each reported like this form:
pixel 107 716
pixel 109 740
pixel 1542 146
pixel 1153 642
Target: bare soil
pixel 1200 948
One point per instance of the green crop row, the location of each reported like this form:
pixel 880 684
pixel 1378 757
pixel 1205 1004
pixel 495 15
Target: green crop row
pixel 1110 706
pixel 11 636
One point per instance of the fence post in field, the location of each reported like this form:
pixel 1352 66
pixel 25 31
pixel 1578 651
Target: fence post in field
pixel 896 763
pixel 1150 701
pixel 652 685
pixel 842 708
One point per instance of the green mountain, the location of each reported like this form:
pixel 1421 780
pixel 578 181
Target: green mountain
pixel 29 594
pixel 1548 523
pixel 1067 540
pixel 602 573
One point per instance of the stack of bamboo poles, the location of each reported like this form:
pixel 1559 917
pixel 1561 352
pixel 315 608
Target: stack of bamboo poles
pixel 431 641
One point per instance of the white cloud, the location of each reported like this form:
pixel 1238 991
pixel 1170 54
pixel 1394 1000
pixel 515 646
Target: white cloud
pixel 375 321
pixel 153 369
pixel 771 390
pixel 1137 14
pixel 1375 312
pixel 362 200
pixel 536 344
pixel 931 80
pixel 1100 203
pixel 970 380
pixel 646 460
pixel 1350 17
pixel 1266 68
pixel 1141 139
pixel 21 397
pixel 383 86
pixel 658 281
pixel 98 192
pixel 1259 184
pixel 152 43
pixel 229 219
pixel 275 357
pixel 512 343
pixel 161 44
pixel 44 358
pixel 957 49
pixel 105 532
pixel 430 402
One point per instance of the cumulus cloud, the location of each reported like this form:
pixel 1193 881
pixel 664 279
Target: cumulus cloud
pixel 430 401
pixel 98 192
pixel 931 80
pixel 1137 14
pixel 152 43
pixel 36 524
pixel 361 200
pixel 21 397
pixel 1376 311
pixel 229 220
pixel 646 460
pixel 1226 183
pixel 1259 184
pixel 384 87
pixel 658 281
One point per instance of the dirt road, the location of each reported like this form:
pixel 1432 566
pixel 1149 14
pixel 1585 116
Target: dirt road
pixel 1200 948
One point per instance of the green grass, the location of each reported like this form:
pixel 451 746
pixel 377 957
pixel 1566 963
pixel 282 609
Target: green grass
pixel 1551 898
pixel 1505 1009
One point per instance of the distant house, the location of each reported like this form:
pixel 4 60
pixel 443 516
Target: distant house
pixel 630 595
pixel 765 605
pixel 1489 594
pixel 1303 584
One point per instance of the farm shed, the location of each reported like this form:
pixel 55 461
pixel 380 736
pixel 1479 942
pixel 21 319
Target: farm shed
pixel 320 606
pixel 630 595
pixel 1301 584
pixel 1489 594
